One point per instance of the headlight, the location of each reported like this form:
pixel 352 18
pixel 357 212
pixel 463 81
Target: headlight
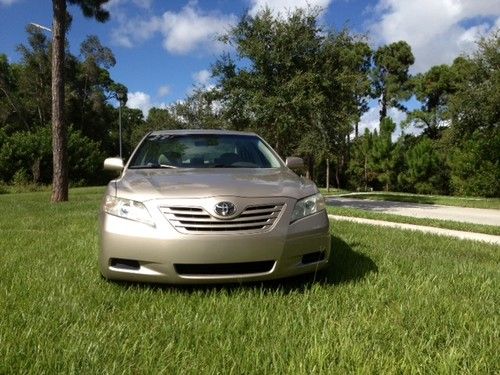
pixel 308 206
pixel 128 209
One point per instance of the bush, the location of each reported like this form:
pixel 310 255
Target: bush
pixel 475 166
pixel 426 172
pixel 26 157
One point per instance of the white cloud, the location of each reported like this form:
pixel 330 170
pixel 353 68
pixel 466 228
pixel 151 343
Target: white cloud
pixel 146 4
pixel 114 4
pixel 437 30
pixel 284 6
pixel 370 121
pixel 182 32
pixel 202 77
pixel 141 100
pixel 191 28
pixel 8 2
pixel 164 91
pixel 135 31
pixel 201 80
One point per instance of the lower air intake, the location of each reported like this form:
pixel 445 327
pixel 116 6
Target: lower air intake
pixel 222 269
pixel 315 257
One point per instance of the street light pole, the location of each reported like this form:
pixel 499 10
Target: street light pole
pixel 38 26
pixel 121 98
pixel 120 127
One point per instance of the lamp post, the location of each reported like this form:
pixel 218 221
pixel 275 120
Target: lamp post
pixel 121 99
pixel 38 26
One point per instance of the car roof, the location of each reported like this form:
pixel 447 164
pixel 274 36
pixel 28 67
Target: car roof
pixel 200 131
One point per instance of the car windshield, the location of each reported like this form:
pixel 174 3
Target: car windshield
pixel 203 151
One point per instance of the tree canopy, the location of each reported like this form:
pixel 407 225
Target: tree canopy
pixel 299 84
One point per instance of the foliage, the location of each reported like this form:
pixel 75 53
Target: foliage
pixel 360 173
pixel 424 173
pixel 382 161
pixel 26 157
pixel 293 80
pixel 390 76
pixel 433 89
pixel 25 99
pixel 276 92
pixel 475 166
pixel 475 132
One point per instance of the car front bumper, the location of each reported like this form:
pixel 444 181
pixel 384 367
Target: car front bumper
pixel 135 251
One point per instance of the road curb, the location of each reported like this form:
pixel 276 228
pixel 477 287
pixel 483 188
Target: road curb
pixel 489 238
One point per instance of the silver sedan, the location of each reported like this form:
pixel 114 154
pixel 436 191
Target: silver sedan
pixel 198 206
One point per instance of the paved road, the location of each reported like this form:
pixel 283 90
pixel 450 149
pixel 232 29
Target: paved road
pixel 468 215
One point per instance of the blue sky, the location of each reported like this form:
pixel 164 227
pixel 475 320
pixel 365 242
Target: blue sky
pixel 164 47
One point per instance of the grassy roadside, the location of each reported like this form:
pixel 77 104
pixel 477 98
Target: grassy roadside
pixel 394 302
pixel 333 192
pixel 455 225
pixel 491 203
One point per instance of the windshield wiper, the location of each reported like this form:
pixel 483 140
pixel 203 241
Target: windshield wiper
pixel 152 166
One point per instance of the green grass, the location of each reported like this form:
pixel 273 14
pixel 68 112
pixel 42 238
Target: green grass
pixel 446 224
pixel 391 302
pixel 492 203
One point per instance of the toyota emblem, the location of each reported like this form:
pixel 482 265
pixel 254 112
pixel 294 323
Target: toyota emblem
pixel 224 208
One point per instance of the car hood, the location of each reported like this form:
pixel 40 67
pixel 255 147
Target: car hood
pixel 145 184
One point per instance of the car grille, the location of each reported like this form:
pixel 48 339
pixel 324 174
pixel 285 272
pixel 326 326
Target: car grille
pixel 196 219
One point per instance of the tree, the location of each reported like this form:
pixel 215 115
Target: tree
pixel 433 89
pixel 90 8
pixel 390 77
pixel 274 91
pixel 425 172
pixel 359 169
pixel 296 83
pixel 382 161
pixel 476 103
pixel 474 134
pixel 200 110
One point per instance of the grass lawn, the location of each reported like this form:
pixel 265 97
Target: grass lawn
pixel 391 302
pixel 492 203
pixel 446 224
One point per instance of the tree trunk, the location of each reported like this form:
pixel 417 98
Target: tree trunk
pixel 35 170
pixel 327 175
pixel 337 173
pixel 383 104
pixel 59 131
pixel 366 173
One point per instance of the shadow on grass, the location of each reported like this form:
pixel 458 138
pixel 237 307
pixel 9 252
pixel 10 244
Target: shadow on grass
pixel 345 266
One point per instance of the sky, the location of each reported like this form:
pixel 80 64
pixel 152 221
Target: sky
pixel 164 48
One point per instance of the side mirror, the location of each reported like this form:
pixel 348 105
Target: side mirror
pixel 113 164
pixel 293 162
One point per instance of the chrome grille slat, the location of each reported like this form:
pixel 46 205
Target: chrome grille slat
pixel 217 221
pixel 256 212
pixel 223 225
pixel 196 219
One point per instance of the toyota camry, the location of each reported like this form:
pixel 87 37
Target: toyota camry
pixel 203 206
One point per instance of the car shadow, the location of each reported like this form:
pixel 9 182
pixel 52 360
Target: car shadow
pixel 345 266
